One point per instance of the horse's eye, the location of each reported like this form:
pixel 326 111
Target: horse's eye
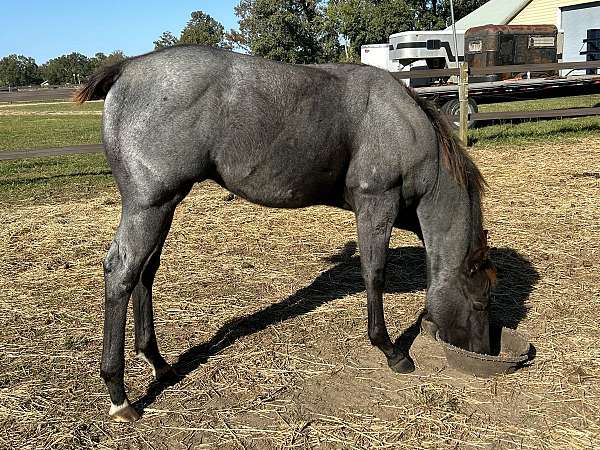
pixel 479 306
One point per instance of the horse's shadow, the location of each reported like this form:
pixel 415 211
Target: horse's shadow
pixel 405 273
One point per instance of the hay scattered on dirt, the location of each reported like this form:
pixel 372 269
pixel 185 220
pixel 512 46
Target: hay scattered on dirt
pixel 263 311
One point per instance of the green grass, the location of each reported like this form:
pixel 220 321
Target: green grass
pixel 21 132
pixel 44 180
pixel 532 132
pixel 52 107
pixel 50 180
pixel 579 101
pixel 47 125
pixel 25 102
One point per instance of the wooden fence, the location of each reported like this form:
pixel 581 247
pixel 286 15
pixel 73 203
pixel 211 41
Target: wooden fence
pixel 525 68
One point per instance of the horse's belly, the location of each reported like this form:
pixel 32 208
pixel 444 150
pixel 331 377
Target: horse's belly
pixel 286 187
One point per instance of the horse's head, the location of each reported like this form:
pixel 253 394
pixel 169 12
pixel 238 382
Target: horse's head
pixel 459 308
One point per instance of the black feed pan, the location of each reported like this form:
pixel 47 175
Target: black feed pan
pixel 514 352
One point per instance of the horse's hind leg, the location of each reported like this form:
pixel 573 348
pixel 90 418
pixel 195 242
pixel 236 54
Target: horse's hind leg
pixel 146 345
pixel 141 232
pixel 375 214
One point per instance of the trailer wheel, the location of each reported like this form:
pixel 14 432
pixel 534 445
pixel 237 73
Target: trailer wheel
pixel 452 108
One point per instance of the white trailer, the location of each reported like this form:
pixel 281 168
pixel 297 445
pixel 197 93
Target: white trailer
pixel 435 48
pixel 414 50
pixel 378 55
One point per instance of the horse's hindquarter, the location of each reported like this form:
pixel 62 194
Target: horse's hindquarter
pixel 160 120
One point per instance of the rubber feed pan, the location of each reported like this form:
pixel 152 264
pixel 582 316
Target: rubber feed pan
pixel 514 352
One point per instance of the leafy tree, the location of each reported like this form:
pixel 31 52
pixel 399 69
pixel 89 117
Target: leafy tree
pixel 203 29
pixel 165 40
pixel 200 29
pixel 461 9
pixel 67 68
pixel 114 57
pixel 362 22
pixel 19 70
pixel 100 59
pixel 285 30
pixel 97 60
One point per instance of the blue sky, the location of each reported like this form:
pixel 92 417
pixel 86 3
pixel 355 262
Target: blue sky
pixel 46 29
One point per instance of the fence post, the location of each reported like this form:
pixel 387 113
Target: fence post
pixel 463 98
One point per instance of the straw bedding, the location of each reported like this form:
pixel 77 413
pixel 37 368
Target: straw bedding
pixel 266 314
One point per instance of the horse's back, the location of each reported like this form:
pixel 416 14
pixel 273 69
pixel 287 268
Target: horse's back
pixel 188 113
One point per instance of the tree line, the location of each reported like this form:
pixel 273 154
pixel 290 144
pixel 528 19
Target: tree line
pixel 19 70
pixel 295 31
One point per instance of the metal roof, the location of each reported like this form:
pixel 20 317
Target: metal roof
pixel 496 12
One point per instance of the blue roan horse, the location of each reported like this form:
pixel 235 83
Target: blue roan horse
pixel 286 136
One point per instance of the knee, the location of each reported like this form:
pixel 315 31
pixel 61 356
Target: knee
pixel 119 272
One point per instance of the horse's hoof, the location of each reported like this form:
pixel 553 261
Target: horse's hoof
pixel 165 373
pixel 123 413
pixel 401 364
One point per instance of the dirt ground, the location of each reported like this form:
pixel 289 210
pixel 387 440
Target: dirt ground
pixel 263 313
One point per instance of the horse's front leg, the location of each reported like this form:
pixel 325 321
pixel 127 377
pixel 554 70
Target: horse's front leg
pixel 375 214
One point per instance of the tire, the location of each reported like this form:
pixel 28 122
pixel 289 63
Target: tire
pixel 452 107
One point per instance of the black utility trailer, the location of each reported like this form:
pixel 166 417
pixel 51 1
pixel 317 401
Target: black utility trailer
pixel 446 95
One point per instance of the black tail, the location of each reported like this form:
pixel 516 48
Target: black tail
pixel 99 83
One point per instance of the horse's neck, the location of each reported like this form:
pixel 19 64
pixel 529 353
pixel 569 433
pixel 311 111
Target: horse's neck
pixel 448 221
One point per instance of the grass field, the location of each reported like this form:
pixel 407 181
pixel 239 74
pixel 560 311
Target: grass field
pixel 264 313
pixel 577 101
pixel 38 180
pixel 47 125
pixel 523 132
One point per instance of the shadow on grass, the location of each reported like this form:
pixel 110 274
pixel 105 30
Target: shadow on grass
pixel 406 273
